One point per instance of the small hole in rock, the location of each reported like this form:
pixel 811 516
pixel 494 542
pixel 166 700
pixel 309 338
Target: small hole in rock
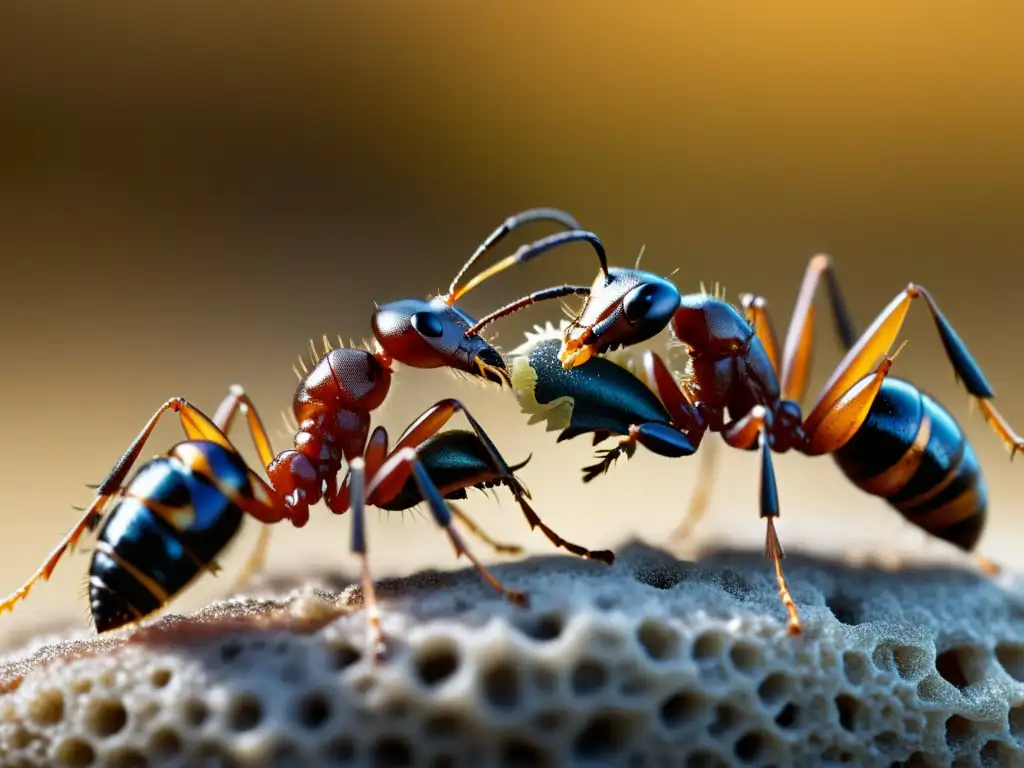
pixel 341 749
pixel 47 708
pixel 284 755
pixel 746 657
pixel 314 709
pixel 244 712
pixel 195 712
pixel 161 677
pixel 126 757
pixel 932 688
pixel 950 664
pixel 682 708
pixel 18 737
pixel 442 726
pixel 659 578
pixel 855 667
pixel 847 610
pixel 847 707
pixel 909 660
pixel 588 678
pixel 1011 657
pixel 105 717
pixel 887 741
pixel 916 760
pixel 164 743
pixel 392 752
pixel 749 747
pixel 437 662
pixel 520 754
pixel 727 717
pixel 544 628
pixel 75 753
pixel 788 717
pixel 660 641
pixel 344 656
pixel 1016 719
pixel 774 688
pixel 230 651
pixel 501 686
pixel 709 645
pixel 549 721
pixel 958 730
pixel 997 754
pixel 603 738
pixel 213 754
pixel 705 759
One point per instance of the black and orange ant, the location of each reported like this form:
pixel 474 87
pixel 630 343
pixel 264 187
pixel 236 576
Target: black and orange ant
pixel 889 438
pixel 175 515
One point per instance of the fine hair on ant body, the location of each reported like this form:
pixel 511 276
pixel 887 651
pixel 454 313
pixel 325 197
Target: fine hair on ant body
pixel 175 515
pixel 888 438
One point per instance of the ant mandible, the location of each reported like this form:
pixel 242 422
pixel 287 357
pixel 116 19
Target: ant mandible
pixel 889 438
pixel 177 512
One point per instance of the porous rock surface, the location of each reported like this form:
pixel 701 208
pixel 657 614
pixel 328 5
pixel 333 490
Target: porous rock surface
pixel 652 662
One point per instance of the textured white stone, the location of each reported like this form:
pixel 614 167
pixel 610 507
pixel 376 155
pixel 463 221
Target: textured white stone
pixel 653 662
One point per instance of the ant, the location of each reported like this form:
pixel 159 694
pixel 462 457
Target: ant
pixel 889 438
pixel 178 511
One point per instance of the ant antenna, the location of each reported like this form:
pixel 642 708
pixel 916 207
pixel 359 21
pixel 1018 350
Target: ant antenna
pixel 532 251
pixel 512 222
pixel 555 292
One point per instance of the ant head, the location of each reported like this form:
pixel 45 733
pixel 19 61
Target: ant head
pixel 432 334
pixel 625 307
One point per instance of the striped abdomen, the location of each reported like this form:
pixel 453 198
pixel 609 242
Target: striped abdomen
pixel 170 521
pixel 911 452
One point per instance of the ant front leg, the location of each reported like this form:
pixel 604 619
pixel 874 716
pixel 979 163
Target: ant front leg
pixel 196 426
pixel 394 473
pixel 741 434
pixel 435 417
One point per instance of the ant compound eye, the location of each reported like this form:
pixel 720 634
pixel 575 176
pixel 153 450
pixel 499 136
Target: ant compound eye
pixel 638 303
pixel 427 324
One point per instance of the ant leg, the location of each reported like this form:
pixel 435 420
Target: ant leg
pixel 374 456
pixel 499 234
pixel 395 471
pixel 238 401
pixel 846 415
pixel 796 354
pixel 756 310
pixel 878 339
pixel 480 533
pixel 742 433
pixel 676 398
pixel 196 426
pixel 431 422
pixel 358 496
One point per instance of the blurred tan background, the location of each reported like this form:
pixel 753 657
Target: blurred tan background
pixel 189 193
